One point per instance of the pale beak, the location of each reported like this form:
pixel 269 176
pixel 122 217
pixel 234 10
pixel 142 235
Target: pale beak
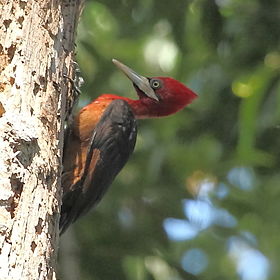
pixel 140 81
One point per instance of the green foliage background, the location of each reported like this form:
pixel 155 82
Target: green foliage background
pixel 228 52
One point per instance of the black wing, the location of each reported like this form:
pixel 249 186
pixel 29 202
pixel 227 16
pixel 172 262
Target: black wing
pixel 112 143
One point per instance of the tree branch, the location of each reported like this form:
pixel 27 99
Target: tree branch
pixel 36 50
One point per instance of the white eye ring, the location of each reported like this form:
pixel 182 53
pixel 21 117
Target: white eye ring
pixel 155 84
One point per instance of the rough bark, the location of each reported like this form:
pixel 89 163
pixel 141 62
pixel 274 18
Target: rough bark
pixel 36 51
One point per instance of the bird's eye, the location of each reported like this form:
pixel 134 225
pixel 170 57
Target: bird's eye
pixel 155 84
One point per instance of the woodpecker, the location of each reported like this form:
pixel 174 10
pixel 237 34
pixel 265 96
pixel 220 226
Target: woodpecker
pixel 103 135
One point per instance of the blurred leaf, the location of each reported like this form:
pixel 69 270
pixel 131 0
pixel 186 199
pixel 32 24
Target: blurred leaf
pixel 228 52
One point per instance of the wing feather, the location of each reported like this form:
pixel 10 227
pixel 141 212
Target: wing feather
pixel 112 142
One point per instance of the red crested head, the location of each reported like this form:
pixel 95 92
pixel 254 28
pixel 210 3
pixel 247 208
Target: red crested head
pixel 172 96
pixel 158 96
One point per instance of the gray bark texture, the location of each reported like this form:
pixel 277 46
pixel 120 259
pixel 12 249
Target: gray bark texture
pixel 36 51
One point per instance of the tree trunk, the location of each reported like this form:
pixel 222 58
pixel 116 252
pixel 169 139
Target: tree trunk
pixel 36 51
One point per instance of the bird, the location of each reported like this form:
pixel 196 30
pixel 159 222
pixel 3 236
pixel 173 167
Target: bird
pixel 102 137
